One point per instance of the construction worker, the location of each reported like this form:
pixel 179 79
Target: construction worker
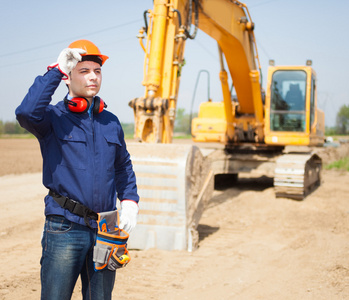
pixel 86 166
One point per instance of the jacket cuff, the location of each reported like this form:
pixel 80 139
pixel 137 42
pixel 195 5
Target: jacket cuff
pixel 129 200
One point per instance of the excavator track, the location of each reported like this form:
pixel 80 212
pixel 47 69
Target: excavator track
pixel 296 175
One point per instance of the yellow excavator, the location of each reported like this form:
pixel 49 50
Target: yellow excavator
pixel 270 130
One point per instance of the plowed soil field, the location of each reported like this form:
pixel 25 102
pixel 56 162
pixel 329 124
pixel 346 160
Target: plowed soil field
pixel 252 245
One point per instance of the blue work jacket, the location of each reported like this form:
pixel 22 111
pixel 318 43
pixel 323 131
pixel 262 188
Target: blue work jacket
pixel 84 158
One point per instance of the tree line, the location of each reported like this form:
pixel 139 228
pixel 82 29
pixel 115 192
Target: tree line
pixel 342 120
pixel 182 124
pixel 11 127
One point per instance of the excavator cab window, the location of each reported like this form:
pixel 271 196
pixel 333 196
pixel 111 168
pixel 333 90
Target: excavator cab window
pixel 312 101
pixel 287 111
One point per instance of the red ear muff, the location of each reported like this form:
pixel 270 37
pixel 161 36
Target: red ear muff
pixel 81 105
pixel 78 104
pixel 98 105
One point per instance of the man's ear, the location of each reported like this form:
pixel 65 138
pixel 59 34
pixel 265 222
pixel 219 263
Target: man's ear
pixel 67 81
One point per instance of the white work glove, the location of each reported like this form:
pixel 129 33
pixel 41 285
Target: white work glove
pixel 128 215
pixel 67 60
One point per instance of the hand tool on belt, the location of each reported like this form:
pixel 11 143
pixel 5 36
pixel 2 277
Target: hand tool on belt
pixel 110 250
pixel 75 207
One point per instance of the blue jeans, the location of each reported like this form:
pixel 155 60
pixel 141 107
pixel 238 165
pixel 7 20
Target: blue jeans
pixel 67 252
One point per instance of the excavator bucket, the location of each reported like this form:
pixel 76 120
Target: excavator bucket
pixel 175 184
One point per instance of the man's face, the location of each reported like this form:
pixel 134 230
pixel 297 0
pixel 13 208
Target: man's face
pixel 85 80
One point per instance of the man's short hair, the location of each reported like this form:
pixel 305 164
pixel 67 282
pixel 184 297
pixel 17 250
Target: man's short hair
pixel 94 58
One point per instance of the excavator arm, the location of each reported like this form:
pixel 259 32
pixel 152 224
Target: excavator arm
pixel 164 47
pixel 169 27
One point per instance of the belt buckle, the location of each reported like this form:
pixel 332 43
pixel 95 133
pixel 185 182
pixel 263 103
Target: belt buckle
pixel 70 204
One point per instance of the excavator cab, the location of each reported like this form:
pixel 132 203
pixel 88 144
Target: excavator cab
pixel 292 117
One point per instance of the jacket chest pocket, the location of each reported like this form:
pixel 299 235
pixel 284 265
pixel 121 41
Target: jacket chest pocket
pixel 73 150
pixel 113 148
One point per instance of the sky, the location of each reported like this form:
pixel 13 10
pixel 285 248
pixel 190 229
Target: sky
pixel 33 33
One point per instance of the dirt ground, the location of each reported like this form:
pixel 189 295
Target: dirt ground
pixel 252 245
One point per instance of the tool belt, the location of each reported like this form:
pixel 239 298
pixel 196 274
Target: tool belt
pixel 75 207
pixel 110 249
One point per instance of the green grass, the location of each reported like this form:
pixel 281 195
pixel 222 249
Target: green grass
pixel 128 136
pixel 182 137
pixel 342 164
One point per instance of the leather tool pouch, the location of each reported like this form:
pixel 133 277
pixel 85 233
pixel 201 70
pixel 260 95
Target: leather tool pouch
pixel 110 250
